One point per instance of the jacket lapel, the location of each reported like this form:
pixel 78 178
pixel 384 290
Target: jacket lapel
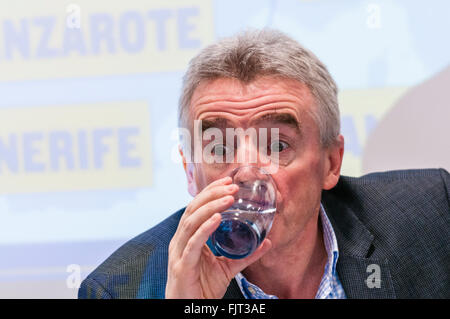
pixel 361 276
pixel 233 291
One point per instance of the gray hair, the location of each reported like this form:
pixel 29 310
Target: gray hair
pixel 265 53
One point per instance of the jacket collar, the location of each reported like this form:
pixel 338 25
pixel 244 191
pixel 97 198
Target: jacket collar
pixel 361 275
pixel 353 237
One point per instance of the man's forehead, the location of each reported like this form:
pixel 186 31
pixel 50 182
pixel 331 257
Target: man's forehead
pixel 267 101
pixel 236 90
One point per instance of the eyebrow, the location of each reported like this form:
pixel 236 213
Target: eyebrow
pixel 217 122
pixel 279 118
pixel 274 117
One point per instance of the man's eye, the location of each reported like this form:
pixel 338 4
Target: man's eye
pixel 278 146
pixel 220 150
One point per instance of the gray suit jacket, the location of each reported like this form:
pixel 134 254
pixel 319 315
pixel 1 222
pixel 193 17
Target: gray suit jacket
pixel 398 221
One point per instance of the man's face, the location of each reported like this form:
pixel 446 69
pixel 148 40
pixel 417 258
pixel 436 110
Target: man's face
pixel 302 165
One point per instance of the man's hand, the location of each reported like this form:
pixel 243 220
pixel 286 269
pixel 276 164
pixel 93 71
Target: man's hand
pixel 193 270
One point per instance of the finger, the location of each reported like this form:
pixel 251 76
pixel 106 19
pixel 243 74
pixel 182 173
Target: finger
pixel 191 224
pixel 237 265
pixel 194 247
pixel 220 181
pixel 201 200
pixel 210 192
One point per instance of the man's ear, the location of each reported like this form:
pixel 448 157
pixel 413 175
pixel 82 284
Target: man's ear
pixel 189 170
pixel 334 156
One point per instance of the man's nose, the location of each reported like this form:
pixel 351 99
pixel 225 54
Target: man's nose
pixel 250 152
pixel 247 153
pixel 243 175
pixel 254 184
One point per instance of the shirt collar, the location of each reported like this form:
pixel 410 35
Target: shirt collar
pixel 330 242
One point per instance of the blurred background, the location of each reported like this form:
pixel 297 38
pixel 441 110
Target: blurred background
pixel 88 112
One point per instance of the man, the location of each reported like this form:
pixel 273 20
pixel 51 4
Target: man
pixel 384 235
